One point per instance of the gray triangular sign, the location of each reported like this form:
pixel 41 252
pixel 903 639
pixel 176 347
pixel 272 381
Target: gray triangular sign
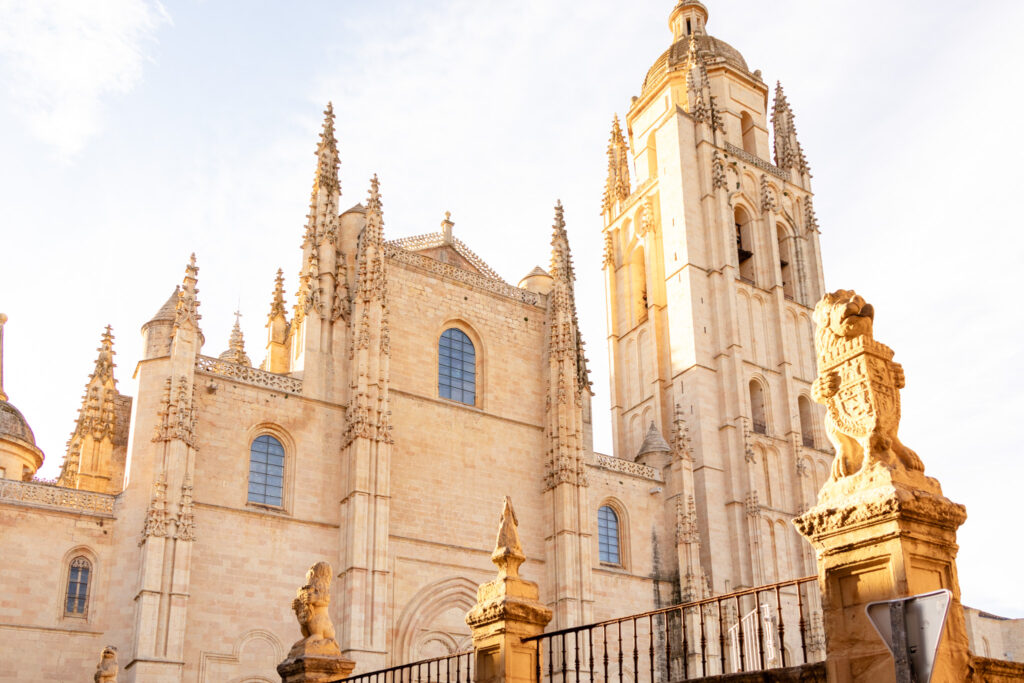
pixel 924 617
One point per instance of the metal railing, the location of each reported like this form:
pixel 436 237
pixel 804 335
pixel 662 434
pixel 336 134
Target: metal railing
pixel 454 668
pixel 759 628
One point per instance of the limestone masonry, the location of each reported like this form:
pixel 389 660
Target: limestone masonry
pixel 406 389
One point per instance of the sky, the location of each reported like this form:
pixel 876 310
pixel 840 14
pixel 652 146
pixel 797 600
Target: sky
pixel 133 133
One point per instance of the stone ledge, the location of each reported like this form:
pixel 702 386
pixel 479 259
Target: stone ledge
pixel 56 498
pixel 988 670
pixel 804 673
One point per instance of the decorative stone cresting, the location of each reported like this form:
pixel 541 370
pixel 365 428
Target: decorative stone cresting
pixel 635 469
pixel 881 528
pixel 316 657
pixel 507 610
pixel 248 375
pixel 106 670
pixel 755 161
pixel 47 495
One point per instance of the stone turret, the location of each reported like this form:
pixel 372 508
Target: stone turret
pixel 654 451
pixel 19 455
pixel 537 280
pixel 236 345
pixel 157 332
pixel 277 329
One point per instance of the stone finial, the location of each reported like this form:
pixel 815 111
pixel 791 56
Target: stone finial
pixel 277 303
pixel 236 344
pixel 446 227
pixel 186 309
pixel 617 187
pixel 106 670
pixel 508 551
pixel 859 384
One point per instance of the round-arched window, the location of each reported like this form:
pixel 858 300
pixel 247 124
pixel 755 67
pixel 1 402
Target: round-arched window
pixel 456 367
pixel 266 471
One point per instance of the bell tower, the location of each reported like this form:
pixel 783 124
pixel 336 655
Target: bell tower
pixel 712 268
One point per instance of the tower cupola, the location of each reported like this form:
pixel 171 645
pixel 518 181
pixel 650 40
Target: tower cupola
pixel 688 17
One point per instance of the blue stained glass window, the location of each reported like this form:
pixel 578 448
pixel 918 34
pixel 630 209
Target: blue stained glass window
pixel 456 371
pixel 266 471
pixel 608 535
pixel 78 586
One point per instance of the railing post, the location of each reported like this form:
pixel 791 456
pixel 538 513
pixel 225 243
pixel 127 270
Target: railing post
pixel 881 528
pixel 506 611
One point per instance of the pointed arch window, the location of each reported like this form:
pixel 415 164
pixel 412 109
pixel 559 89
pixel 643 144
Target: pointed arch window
pixel 608 535
pixel 456 367
pixel 266 471
pixel 76 598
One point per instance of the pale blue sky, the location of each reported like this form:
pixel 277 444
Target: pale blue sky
pixel 132 134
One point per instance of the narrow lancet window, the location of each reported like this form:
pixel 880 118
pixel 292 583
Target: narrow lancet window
pixel 608 535
pixel 77 598
pixel 456 367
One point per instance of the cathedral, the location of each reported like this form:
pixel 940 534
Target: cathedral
pixel 406 388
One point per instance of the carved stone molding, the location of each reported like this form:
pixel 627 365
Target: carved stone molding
pixel 44 495
pixel 248 375
pixel 756 161
pixel 628 467
pixel 397 253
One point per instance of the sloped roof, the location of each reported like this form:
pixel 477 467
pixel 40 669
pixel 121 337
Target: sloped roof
pixel 654 442
pixel 436 239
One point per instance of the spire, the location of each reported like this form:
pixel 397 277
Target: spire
pixel 654 442
pixel 186 309
pixel 277 303
pixel 327 161
pixel 3 320
pixel 374 231
pixel 788 152
pixel 561 258
pixel 508 550
pixel 95 427
pixel 617 186
pixel 236 344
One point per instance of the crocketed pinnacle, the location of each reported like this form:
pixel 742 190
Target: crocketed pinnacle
pixel 374 214
pixel 788 152
pixel 617 186
pixel 186 310
pixel 236 344
pixel 561 258
pixel 105 360
pixel 680 435
pixel 327 161
pixel 277 303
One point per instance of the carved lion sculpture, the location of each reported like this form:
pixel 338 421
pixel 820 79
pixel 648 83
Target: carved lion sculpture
pixel 106 670
pixel 310 605
pixel 859 384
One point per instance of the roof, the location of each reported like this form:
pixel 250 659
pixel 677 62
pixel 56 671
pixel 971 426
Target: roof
pixel 13 424
pixel 709 47
pixel 166 312
pixel 654 442
pixel 436 239
pixel 537 270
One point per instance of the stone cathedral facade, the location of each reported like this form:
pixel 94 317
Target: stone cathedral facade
pixel 406 388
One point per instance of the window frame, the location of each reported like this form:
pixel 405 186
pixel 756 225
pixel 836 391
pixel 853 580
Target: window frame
pixel 623 534
pixel 478 363
pixel 287 480
pixel 63 591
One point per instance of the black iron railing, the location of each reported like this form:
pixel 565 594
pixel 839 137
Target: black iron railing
pixel 455 668
pixel 750 630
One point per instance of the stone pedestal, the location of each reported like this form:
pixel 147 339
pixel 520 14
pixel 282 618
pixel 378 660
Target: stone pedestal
pixel 506 611
pixel 315 668
pixel 881 534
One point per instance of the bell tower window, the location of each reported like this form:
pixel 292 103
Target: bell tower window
pixel 747 129
pixel 744 246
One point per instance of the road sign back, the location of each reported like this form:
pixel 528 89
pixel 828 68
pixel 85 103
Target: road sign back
pixel 911 628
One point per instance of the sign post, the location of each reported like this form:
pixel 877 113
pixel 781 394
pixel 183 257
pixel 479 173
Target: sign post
pixel 911 628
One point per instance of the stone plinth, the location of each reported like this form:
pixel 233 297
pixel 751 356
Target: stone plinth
pixel 880 534
pixel 507 610
pixel 315 668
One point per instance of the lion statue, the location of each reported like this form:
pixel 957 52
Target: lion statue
pixel 106 670
pixel 310 605
pixel 859 384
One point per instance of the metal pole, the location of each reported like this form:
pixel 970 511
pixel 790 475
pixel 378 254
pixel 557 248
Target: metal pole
pixel 900 651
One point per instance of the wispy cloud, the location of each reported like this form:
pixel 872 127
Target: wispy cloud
pixel 59 59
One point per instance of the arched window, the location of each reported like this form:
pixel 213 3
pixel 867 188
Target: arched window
pixel 76 599
pixel 806 421
pixel 786 262
pixel 744 245
pixel 266 471
pixel 747 128
pixel 608 535
pixel 757 408
pixel 456 367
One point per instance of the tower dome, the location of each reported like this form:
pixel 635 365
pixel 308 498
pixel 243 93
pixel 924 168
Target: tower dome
pixel 687 22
